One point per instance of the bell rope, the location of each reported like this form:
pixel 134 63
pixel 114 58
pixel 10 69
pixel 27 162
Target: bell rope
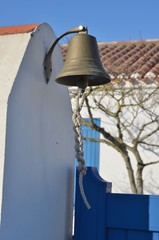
pixel 79 101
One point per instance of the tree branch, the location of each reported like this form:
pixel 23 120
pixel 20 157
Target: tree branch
pixel 151 163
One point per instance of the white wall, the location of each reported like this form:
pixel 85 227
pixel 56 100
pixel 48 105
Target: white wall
pixel 112 167
pixel 12 48
pixel 39 162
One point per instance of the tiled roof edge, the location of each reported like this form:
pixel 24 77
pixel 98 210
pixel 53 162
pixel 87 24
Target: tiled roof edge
pixel 129 41
pixel 18 29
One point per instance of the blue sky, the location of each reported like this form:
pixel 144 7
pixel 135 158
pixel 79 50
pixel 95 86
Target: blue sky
pixel 113 20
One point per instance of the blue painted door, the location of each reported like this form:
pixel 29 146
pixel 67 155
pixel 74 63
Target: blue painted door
pixel 91 149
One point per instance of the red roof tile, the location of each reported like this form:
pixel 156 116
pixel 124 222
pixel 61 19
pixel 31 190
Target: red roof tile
pixel 132 59
pixel 18 29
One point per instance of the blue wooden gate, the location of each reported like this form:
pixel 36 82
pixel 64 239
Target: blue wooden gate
pixel 114 216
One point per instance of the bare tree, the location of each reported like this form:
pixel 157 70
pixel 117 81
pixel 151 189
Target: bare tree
pixel 131 123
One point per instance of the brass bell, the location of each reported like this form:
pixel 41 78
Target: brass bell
pixel 83 66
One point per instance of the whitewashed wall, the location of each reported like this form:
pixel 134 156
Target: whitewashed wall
pixel 112 167
pixel 12 49
pixel 39 162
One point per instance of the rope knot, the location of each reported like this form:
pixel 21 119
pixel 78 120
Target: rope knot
pixel 82 169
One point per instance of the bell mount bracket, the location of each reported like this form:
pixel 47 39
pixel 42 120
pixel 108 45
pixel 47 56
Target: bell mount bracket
pixel 47 64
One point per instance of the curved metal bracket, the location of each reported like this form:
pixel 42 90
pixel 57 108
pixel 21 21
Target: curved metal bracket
pixel 48 58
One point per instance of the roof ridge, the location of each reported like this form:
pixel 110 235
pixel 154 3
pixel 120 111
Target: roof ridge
pixel 130 41
pixel 18 29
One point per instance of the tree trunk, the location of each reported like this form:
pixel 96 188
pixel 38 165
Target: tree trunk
pixel 140 167
pixel 130 171
pixel 139 180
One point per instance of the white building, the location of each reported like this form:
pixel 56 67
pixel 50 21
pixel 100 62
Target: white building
pixel 137 64
pixel 36 139
pixel 37 142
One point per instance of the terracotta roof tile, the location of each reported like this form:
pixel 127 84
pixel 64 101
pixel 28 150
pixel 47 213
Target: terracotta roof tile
pixel 137 60
pixel 18 29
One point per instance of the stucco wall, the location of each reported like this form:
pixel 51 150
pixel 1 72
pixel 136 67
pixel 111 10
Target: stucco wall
pixel 12 48
pixel 39 162
pixel 111 164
